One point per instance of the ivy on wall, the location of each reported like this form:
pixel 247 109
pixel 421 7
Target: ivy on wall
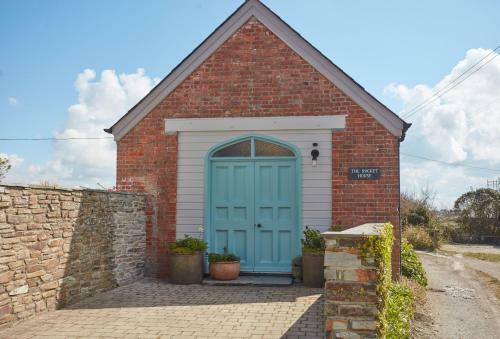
pixel 395 301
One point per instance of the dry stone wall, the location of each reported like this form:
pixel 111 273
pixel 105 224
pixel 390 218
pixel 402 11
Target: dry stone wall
pixel 59 246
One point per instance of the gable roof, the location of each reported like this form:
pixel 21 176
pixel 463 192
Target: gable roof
pixel 289 36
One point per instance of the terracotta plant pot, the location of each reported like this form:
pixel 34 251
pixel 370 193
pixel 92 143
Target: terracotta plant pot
pixel 186 268
pixel 225 270
pixel 313 269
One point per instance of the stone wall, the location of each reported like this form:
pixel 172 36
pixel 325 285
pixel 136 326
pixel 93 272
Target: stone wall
pixel 351 283
pixel 59 246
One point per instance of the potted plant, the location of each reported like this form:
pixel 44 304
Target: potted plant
pixel 313 258
pixel 186 260
pixel 224 266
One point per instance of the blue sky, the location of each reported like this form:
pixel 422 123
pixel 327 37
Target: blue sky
pixel 389 47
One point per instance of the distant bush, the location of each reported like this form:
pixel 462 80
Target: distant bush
pixel 479 216
pixel 411 266
pixel 419 238
pixel 420 215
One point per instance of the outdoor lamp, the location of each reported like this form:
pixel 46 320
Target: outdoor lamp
pixel 315 154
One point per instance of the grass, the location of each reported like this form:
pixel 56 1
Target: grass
pixel 492 282
pixel 493 257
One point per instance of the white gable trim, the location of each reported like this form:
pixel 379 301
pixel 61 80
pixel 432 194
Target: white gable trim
pixel 332 122
pixel 254 8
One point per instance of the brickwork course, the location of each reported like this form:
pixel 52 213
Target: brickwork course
pixel 255 74
pixel 154 309
pixel 59 246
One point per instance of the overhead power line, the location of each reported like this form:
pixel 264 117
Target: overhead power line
pixel 449 163
pixel 54 139
pixel 452 84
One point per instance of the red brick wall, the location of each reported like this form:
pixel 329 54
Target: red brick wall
pixel 255 74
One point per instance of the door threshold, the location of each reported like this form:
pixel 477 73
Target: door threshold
pixel 266 274
pixel 252 280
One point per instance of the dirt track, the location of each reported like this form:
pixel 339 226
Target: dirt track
pixel 459 304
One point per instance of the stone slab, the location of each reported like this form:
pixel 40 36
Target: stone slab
pixel 355 232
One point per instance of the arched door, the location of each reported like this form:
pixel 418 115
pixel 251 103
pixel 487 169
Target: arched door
pixel 253 200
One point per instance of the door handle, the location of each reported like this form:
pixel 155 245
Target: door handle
pixel 259 225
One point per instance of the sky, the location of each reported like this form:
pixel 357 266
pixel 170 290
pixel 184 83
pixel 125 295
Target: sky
pixel 72 68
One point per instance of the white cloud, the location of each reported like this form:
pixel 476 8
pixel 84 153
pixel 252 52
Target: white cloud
pixel 462 127
pixel 13 101
pixel 101 102
pixel 465 122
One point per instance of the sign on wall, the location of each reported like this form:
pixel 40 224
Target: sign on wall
pixel 364 173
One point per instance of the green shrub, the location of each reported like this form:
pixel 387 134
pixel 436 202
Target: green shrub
pixel 382 250
pixel 398 311
pixel 395 300
pixel 313 241
pixel 188 245
pixel 420 215
pixel 419 237
pixel 411 266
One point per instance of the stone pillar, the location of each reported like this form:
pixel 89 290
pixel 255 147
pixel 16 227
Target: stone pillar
pixel 350 287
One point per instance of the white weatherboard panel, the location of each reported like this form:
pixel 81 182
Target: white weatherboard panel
pixel 255 123
pixel 316 181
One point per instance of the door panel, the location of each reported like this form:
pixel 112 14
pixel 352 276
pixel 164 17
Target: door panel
pixel 254 212
pixel 232 210
pixel 275 209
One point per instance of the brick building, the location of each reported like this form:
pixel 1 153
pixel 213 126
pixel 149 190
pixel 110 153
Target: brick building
pixel 224 146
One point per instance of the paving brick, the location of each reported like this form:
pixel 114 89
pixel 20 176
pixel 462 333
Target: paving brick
pixel 153 309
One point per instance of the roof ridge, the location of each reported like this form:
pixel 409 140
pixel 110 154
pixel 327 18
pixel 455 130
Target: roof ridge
pixel 289 36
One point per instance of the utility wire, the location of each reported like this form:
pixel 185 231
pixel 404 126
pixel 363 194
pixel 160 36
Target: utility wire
pixel 450 83
pixel 450 88
pixel 439 93
pixel 448 163
pixel 54 139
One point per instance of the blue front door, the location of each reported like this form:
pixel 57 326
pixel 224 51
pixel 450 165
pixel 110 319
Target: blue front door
pixel 232 211
pixel 275 218
pixel 254 213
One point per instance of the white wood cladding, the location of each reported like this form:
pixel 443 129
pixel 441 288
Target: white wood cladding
pixel 316 181
pixel 252 123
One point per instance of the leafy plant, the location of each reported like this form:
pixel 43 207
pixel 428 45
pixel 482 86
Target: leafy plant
pixel 313 241
pixel 382 250
pixel 411 266
pixel 188 245
pixel 399 311
pixel 395 300
pixel 224 257
pixel 336 228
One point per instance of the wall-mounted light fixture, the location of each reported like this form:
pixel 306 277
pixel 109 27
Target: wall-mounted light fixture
pixel 315 154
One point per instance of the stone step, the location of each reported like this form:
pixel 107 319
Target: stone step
pixel 254 280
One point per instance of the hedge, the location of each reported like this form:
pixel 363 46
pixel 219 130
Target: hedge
pixel 395 301
pixel 412 267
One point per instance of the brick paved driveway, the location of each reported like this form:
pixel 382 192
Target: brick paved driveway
pixel 154 309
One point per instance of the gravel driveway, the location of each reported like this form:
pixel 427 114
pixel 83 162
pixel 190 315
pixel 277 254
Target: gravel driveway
pixel 459 305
